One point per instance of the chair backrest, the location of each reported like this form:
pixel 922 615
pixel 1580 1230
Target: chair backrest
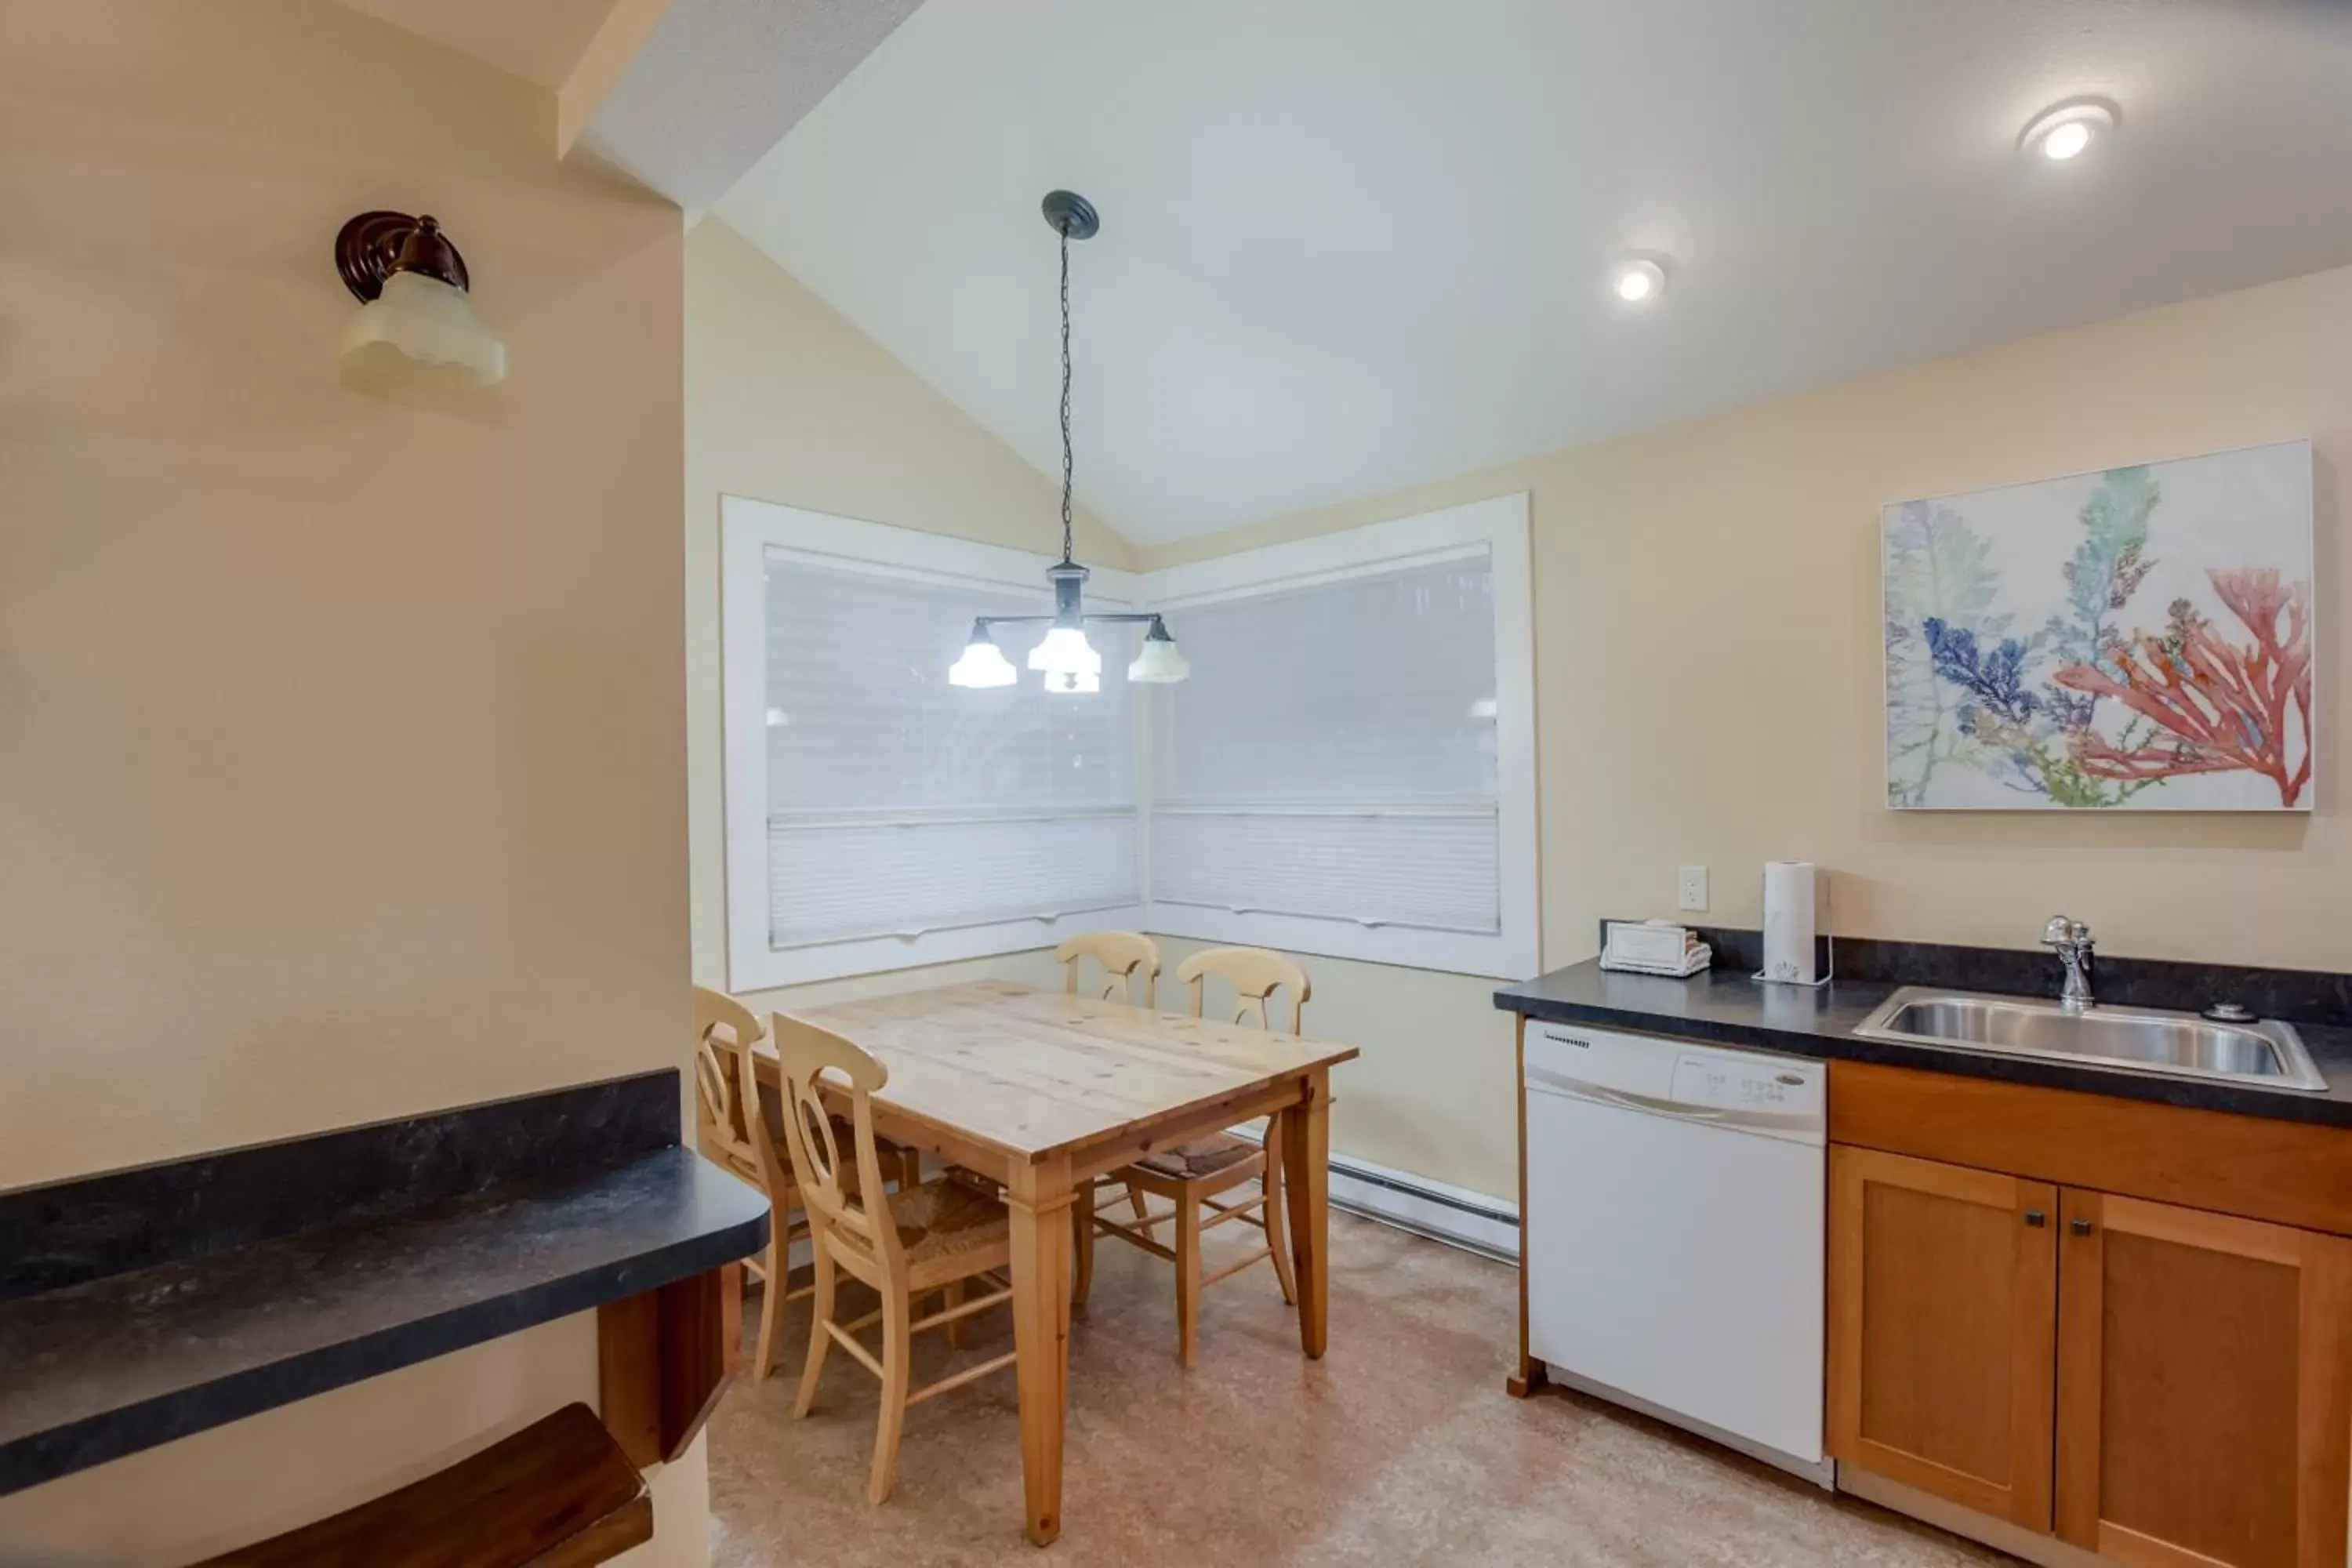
pixel 1254 974
pixel 717 1080
pixel 1120 955
pixel 856 1222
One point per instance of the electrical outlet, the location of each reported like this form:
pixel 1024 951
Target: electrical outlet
pixel 1690 889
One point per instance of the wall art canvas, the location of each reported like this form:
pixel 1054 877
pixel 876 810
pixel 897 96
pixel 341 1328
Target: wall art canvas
pixel 2137 639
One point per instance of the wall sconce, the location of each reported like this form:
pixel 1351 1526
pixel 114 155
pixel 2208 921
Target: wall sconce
pixel 413 309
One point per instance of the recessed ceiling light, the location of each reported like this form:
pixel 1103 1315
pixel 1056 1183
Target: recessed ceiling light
pixel 2066 131
pixel 1638 280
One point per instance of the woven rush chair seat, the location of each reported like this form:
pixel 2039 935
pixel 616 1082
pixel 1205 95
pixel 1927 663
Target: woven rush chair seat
pixel 1202 1157
pixel 944 1217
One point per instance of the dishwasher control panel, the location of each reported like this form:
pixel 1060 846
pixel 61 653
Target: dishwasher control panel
pixel 1712 1078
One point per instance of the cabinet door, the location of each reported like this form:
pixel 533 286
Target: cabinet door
pixel 1943 1317
pixel 2203 1416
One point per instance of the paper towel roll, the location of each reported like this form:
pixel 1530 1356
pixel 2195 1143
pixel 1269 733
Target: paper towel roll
pixel 1790 896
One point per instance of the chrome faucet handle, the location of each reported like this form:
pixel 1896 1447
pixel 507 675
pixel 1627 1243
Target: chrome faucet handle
pixel 2071 939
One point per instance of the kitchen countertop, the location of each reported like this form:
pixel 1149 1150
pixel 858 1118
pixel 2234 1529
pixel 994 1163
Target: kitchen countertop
pixel 108 1365
pixel 1728 1007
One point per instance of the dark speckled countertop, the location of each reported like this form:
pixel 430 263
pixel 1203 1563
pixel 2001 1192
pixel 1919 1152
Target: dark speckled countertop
pixel 1728 1007
pixel 107 1354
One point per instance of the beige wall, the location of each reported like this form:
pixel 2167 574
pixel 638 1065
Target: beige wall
pixel 1732 565
pixel 786 401
pixel 343 770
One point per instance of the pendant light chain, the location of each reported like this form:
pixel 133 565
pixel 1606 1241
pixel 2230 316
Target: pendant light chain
pixel 1065 394
pixel 1070 664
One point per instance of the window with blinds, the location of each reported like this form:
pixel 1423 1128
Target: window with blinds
pixel 1349 771
pixel 902 820
pixel 1333 754
pixel 1332 778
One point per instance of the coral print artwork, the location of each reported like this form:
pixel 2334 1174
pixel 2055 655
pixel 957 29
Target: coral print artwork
pixel 2139 640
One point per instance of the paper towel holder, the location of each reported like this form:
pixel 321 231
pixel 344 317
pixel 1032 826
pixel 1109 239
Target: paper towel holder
pixel 1827 939
pixel 1829 969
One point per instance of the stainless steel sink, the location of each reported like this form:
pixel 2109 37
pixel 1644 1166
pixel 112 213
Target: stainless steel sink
pixel 2128 1039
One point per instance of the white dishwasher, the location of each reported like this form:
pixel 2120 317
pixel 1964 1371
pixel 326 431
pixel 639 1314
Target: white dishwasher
pixel 1674 1221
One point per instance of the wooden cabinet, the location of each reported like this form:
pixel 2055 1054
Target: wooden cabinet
pixel 1943 1317
pixel 2202 1409
pixel 2162 1385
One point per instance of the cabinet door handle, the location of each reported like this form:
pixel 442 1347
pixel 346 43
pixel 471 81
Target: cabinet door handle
pixel 2035 1217
pixel 2079 1227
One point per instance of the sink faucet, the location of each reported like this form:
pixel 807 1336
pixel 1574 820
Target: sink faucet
pixel 2072 941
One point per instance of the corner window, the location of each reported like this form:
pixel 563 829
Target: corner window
pixel 1349 771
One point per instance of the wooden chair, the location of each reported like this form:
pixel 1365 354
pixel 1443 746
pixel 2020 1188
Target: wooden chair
pixel 724 1088
pixel 1193 1175
pixel 922 1239
pixel 1120 955
pixel 721 1131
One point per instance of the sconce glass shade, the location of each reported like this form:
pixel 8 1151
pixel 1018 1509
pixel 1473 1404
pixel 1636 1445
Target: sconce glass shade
pixel 984 665
pixel 1160 662
pixel 421 320
pixel 1065 651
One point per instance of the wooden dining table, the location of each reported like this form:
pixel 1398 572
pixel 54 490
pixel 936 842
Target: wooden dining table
pixel 1043 1092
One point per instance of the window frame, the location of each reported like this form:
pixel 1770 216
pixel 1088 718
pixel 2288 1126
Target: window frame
pixel 749 530
pixel 1499 526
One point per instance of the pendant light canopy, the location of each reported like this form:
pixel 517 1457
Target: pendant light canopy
pixel 1069 663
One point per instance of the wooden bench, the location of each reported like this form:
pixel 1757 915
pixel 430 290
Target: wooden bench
pixel 558 1494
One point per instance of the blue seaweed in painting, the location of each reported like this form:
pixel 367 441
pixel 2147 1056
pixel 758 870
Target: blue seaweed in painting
pixel 1994 682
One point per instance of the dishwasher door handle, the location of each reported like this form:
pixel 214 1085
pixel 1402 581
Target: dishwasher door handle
pixel 1540 1081
pixel 1625 1098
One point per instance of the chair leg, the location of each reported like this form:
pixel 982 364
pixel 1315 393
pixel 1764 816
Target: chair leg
pixel 1188 1277
pixel 952 1297
pixel 1275 1237
pixel 1082 1217
pixel 1142 1210
pixel 896 1317
pixel 820 1314
pixel 771 1299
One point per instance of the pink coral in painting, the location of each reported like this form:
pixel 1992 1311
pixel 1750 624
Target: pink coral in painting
pixel 2222 708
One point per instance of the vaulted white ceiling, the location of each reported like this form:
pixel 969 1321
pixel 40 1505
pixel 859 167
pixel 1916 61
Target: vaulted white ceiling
pixel 1350 245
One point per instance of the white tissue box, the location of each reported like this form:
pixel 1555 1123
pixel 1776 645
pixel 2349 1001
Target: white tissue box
pixel 1654 947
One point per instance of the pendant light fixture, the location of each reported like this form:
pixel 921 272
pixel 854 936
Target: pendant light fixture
pixel 1069 662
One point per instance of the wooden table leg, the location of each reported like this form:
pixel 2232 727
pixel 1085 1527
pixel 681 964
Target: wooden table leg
pixel 1039 1197
pixel 1306 1179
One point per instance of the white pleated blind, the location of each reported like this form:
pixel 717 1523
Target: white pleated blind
pixel 1333 755
pixel 898 804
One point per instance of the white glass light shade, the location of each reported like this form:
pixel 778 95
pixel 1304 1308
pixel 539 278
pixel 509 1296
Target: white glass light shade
pixel 984 664
pixel 1065 651
pixel 421 320
pixel 1160 662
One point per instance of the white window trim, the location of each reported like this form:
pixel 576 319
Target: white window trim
pixel 749 530
pixel 1497 527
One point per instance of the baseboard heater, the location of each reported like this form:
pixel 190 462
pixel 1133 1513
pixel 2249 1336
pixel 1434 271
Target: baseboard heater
pixel 1436 1210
